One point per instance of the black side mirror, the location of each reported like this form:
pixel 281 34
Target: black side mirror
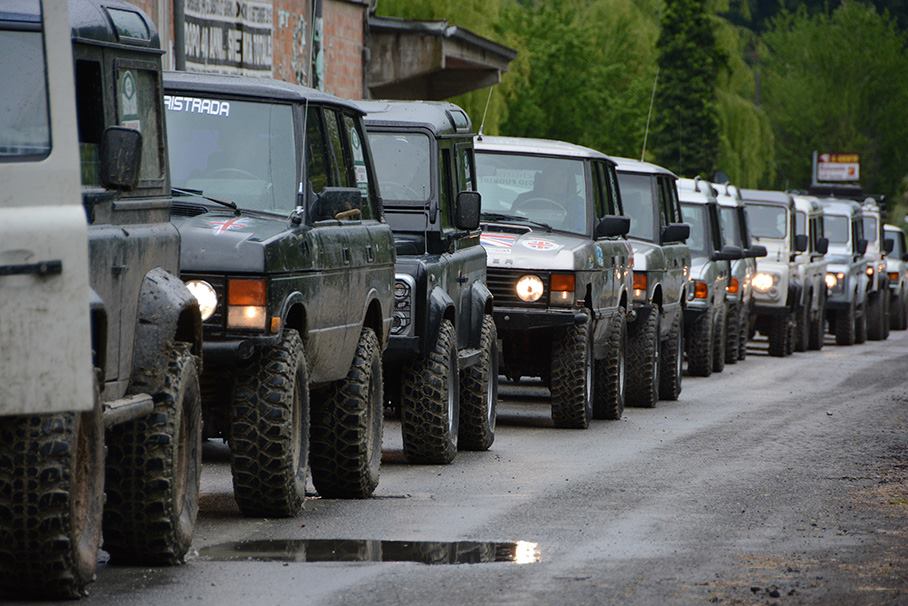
pixel 905 257
pixel 466 210
pixel 823 246
pixel 340 203
pixel 676 232
pixel 613 225
pixel 888 245
pixel 121 157
pixel 728 253
pixel 862 246
pixel 801 242
pixel 757 251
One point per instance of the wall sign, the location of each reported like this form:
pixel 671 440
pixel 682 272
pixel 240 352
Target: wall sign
pixel 230 36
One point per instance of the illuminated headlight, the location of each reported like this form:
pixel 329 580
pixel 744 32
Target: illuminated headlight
pixel 530 288
pixel 834 280
pixel 206 296
pixel 763 281
pixel 869 271
pixel 246 317
pixel 402 318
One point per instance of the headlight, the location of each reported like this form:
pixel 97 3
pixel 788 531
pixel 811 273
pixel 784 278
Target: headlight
pixel 763 281
pixel 870 271
pixel 402 318
pixel 206 296
pixel 831 281
pixel 530 288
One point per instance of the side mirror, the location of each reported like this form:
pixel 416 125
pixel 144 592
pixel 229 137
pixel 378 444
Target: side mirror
pixel 338 203
pixel 613 225
pixel 823 246
pixel 757 251
pixel 467 207
pixel 862 246
pixel 676 232
pixel 728 253
pixel 888 245
pixel 905 257
pixel 801 242
pixel 121 157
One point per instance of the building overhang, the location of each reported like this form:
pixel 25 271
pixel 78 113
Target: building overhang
pixel 431 60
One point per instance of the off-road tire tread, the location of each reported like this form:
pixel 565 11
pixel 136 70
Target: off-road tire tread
pixel 845 326
pixel 643 339
pixel 669 382
pixel 700 346
pixel 779 335
pixel 733 332
pixel 876 316
pixel 721 339
pixel 476 432
pixel 569 355
pixel 608 401
pixel 802 327
pixel 860 325
pixel 817 326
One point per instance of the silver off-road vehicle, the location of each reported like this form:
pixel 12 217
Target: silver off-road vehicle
pixel 846 274
pixel 778 291
pixel 707 298
pixel 739 291
pixel 100 415
pixel 559 268
pixel 655 344
pixel 897 270
pixel 877 278
pixel 810 325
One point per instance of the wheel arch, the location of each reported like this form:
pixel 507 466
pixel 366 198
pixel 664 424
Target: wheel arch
pixel 480 305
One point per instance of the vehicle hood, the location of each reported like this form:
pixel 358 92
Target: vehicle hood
pixel 776 250
pixel 525 248
pixel 835 259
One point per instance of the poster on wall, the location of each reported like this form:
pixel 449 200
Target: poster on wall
pixel 230 36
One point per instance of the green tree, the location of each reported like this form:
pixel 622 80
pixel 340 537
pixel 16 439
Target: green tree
pixel 686 121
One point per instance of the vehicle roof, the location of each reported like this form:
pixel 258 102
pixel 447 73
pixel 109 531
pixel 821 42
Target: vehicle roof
pixel 251 88
pixel 441 117
pixel 808 204
pixel 542 147
pixel 728 194
pixel 893 228
pixel 840 206
pixel 628 165
pixel 91 22
pixel 767 196
pixel 696 191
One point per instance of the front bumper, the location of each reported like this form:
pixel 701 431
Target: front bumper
pixel 513 318
pixel 759 309
pixel 232 351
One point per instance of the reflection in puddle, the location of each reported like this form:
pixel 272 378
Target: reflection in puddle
pixel 343 550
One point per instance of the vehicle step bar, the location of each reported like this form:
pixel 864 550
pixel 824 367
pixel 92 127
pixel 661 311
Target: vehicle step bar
pixel 127 409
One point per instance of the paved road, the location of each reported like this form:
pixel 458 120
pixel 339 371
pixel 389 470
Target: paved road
pixel 775 478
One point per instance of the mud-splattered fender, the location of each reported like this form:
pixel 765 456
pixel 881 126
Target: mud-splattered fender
pixel 167 313
pixel 440 305
pixel 480 304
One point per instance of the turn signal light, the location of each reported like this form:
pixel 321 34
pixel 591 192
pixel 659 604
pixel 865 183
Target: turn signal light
pixel 639 281
pixel 700 290
pixel 246 292
pixel 562 282
pixel 733 286
pixel 894 276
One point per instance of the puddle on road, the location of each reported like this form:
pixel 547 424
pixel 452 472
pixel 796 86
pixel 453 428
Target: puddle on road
pixel 344 550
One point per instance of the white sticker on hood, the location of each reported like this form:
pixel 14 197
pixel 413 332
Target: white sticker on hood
pixel 538 244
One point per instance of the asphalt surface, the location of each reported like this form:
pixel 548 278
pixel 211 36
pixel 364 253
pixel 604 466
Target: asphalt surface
pixel 778 481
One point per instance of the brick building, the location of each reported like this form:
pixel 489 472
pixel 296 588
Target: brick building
pixel 276 38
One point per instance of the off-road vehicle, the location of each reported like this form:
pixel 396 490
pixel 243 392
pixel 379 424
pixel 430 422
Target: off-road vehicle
pixel 739 292
pixel 100 417
pixel 707 299
pixel 778 291
pixel 655 342
pixel 877 278
pixel 441 366
pixel 285 247
pixel 846 274
pixel 810 323
pixel 560 270
pixel 897 270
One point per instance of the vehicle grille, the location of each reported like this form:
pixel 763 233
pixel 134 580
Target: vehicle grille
pixel 501 283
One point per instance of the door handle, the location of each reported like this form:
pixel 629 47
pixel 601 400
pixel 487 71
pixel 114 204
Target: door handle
pixel 43 268
pixel 347 257
pixel 370 254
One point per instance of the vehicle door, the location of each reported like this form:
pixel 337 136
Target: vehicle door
pixel 721 269
pixel 611 256
pixel 471 256
pixel 450 277
pixel 45 334
pixel 817 261
pixel 750 263
pixel 677 255
pixel 328 288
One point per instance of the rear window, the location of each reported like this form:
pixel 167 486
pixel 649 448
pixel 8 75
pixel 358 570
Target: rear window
pixel 24 118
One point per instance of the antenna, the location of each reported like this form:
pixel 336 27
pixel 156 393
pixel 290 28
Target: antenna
pixel 649 115
pixel 485 112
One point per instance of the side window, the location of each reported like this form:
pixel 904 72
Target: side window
pixel 138 101
pixel 676 202
pixel 445 193
pixel 665 201
pixel 90 118
pixel 316 151
pixel 718 243
pixel 360 168
pixel 614 203
pixel 600 190
pixel 465 168
pixel 340 168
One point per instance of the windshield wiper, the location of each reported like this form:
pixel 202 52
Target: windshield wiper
pixel 504 217
pixel 197 192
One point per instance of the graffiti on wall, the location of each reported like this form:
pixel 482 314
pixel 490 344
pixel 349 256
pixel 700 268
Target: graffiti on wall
pixel 230 36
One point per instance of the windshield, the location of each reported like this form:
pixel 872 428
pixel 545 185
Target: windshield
pixel 870 229
pixel 24 122
pixel 731 227
pixel 637 199
pixel 696 216
pixel 237 150
pixel 402 164
pixel 898 249
pixel 767 221
pixel 540 189
pixel 837 228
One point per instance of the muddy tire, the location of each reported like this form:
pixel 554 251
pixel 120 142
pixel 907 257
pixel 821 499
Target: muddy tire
pixel 429 404
pixel 643 359
pixel 610 373
pixel 672 360
pixel 51 503
pixel 701 343
pixel 346 428
pixel 572 376
pixel 780 335
pixel 154 465
pixel 802 327
pixel 845 325
pixel 816 330
pixel 479 393
pixel 720 336
pixel 744 334
pixel 733 333
pixel 269 430
pixel 898 317
pixel 876 316
pixel 860 324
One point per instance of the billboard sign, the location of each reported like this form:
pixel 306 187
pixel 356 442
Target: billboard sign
pixel 837 168
pixel 230 36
